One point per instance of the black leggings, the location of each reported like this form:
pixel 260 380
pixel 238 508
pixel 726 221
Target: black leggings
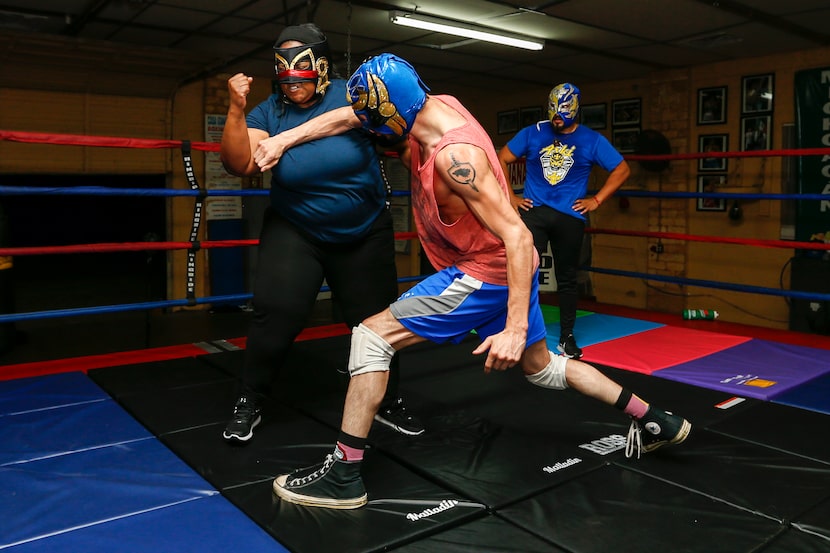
pixel 290 271
pixel 565 235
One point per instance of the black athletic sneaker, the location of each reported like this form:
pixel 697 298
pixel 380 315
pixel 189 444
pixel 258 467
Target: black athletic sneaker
pixel 396 417
pixel 333 484
pixel 657 428
pixel 568 347
pixel 246 415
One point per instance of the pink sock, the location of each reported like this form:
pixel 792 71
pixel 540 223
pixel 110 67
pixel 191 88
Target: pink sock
pixel 350 453
pixel 636 407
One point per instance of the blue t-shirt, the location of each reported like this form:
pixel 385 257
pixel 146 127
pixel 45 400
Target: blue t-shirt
pixel 558 165
pixel 331 188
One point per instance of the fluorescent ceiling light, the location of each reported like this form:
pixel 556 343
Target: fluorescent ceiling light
pixel 463 29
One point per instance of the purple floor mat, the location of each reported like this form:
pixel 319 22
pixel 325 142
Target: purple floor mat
pixel 757 368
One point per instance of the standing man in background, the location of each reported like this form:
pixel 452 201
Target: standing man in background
pixel 559 156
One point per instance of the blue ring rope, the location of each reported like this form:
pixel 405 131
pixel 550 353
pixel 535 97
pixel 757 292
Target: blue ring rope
pixel 238 299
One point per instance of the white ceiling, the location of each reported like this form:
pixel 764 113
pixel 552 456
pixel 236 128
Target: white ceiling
pixel 149 47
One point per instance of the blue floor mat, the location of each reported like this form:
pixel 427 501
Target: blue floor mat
pixel 595 328
pixel 207 525
pixel 67 429
pixel 44 392
pixel 60 494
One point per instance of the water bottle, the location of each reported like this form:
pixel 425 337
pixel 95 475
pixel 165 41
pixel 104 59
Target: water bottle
pixel 690 314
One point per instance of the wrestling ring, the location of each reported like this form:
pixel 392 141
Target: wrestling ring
pixel 123 452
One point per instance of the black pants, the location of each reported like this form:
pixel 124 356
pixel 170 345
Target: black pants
pixel 565 234
pixel 291 267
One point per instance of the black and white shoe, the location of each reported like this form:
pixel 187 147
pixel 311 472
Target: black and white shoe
pixel 332 484
pixel 567 347
pixel 246 416
pixel 396 417
pixel 656 429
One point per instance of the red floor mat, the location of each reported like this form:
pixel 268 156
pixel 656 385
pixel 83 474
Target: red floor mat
pixel 662 347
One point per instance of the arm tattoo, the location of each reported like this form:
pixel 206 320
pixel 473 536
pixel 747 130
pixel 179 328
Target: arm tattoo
pixel 462 172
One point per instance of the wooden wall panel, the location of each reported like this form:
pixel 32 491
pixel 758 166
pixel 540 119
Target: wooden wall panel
pixel 44 112
pixel 131 117
pixel 82 114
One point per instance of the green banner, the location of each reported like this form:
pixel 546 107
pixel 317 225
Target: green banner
pixel 812 113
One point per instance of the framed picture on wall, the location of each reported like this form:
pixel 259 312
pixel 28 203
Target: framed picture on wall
pixel 594 115
pixel 711 105
pixel 507 121
pixel 710 184
pixel 625 139
pixel 756 133
pixel 757 93
pixel 529 116
pixel 712 143
pixel 625 112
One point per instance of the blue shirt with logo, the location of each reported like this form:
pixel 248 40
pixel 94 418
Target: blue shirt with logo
pixel 558 165
pixel 331 188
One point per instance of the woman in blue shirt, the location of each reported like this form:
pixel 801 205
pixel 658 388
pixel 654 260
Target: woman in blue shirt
pixel 328 219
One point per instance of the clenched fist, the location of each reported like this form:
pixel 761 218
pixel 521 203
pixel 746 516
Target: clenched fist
pixel 239 86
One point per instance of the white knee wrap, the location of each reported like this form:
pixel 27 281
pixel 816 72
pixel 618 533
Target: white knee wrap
pixel 553 375
pixel 369 352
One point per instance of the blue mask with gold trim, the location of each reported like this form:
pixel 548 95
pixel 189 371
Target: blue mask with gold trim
pixel 386 94
pixel 563 101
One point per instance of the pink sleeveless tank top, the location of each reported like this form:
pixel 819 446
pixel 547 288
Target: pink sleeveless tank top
pixel 466 243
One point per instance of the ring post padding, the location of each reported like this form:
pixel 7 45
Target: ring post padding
pixel 197 221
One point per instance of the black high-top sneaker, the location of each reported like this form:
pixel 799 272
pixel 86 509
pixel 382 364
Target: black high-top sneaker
pixel 333 484
pixel 656 429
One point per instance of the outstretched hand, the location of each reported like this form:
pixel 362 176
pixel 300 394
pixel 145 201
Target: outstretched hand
pixel 505 350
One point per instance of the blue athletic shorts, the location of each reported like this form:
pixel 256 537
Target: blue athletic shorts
pixel 448 305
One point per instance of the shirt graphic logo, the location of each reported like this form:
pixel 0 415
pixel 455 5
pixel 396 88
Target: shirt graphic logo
pixel 557 159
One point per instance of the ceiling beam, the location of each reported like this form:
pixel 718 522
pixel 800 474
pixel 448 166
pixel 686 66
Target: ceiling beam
pixel 774 22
